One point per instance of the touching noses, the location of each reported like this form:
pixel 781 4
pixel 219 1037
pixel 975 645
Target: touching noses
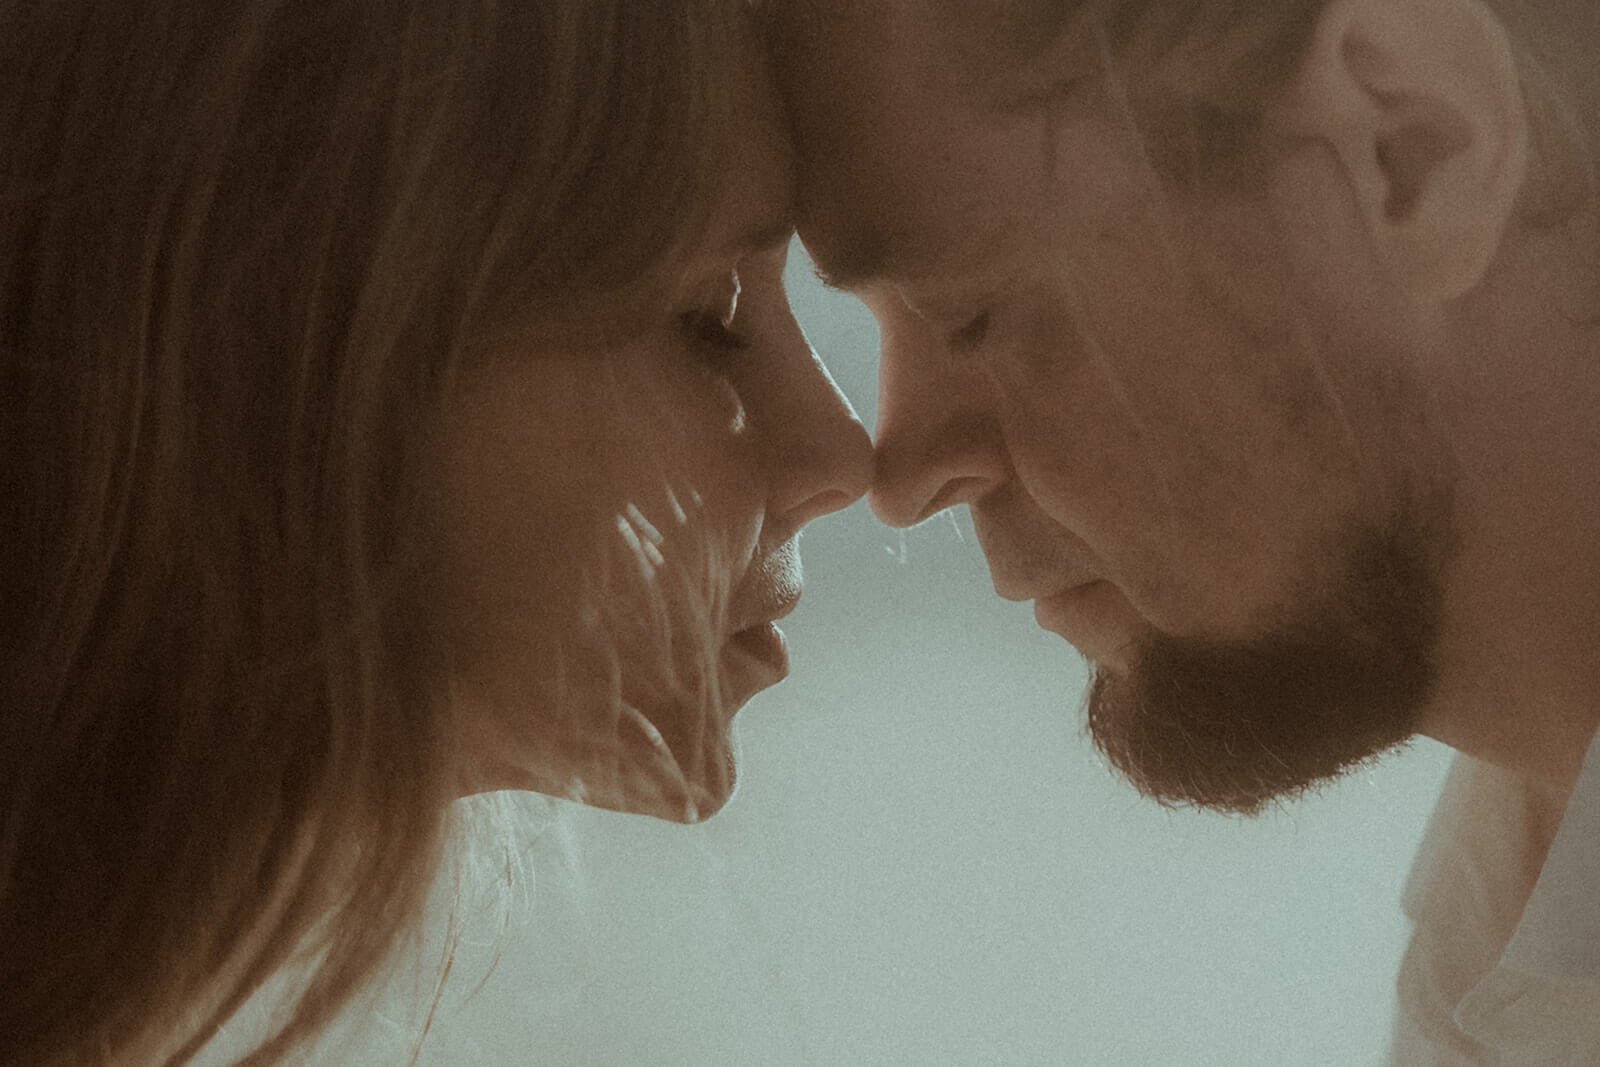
pixel 818 452
pixel 938 443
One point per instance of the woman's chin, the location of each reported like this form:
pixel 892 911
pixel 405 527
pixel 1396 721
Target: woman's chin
pixel 669 759
pixel 683 796
pixel 645 780
pixel 669 799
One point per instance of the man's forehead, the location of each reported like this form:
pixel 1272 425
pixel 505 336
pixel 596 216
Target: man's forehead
pixel 895 183
pixel 892 236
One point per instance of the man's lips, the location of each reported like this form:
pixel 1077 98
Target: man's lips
pixel 1094 617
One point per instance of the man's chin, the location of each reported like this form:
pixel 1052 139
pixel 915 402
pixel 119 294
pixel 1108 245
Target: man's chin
pixel 1229 763
pixel 1236 726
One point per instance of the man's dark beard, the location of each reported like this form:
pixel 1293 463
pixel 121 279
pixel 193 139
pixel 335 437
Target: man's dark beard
pixel 1235 726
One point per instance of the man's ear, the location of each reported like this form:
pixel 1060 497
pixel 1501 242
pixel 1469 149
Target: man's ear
pixel 1419 101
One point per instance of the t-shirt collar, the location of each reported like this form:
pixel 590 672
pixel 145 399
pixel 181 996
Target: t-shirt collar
pixel 1558 935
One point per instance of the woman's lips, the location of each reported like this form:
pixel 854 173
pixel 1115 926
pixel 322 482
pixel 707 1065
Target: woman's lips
pixel 766 645
pixel 759 659
pixel 758 654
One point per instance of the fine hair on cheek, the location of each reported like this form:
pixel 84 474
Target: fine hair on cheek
pixel 595 675
pixel 647 631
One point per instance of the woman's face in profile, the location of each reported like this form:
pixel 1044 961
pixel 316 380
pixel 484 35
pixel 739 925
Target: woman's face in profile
pixel 622 519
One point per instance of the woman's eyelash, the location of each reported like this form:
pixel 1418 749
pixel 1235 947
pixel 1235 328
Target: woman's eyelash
pixel 713 325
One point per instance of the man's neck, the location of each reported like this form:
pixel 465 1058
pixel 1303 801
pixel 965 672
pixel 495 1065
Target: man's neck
pixel 1520 656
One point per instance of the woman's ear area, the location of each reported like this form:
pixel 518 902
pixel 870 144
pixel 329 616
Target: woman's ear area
pixel 1420 103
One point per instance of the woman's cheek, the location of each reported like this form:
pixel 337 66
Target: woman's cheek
pixel 697 440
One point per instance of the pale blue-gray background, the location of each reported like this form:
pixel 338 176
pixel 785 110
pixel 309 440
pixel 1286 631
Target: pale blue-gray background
pixel 926 864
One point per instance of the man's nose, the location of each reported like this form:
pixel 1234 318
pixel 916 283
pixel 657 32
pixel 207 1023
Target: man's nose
pixel 939 443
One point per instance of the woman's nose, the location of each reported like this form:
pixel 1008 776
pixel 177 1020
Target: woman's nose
pixel 938 443
pixel 817 452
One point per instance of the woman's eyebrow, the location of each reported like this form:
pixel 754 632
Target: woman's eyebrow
pixel 853 263
pixel 870 253
pixel 765 235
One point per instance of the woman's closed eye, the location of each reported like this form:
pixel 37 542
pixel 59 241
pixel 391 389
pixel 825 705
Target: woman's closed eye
pixel 712 322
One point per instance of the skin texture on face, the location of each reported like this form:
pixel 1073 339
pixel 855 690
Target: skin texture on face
pixel 624 512
pixel 1214 481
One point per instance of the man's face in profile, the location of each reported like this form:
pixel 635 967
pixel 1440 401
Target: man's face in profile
pixel 1209 475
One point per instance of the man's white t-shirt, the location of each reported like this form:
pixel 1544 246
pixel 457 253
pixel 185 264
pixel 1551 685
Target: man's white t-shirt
pixel 1503 966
